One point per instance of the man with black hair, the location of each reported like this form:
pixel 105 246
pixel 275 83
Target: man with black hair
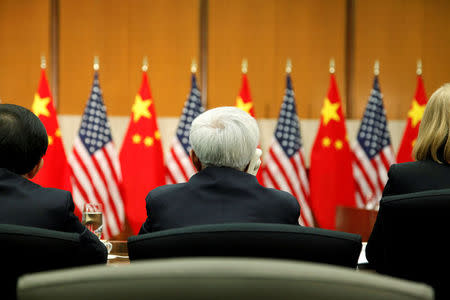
pixel 23 143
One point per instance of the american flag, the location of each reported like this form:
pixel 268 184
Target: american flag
pixel 284 163
pixel 95 165
pixel 372 151
pixel 179 165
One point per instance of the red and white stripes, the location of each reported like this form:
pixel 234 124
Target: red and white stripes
pixel 97 179
pixel 370 175
pixel 289 174
pixel 179 167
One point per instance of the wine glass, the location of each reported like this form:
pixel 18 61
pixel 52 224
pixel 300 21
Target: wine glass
pixel 92 218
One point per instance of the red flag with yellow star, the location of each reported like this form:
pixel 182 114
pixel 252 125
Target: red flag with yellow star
pixel 244 102
pixel 331 174
pixel 141 156
pixel 55 172
pixel 415 113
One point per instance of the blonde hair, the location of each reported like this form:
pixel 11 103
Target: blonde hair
pixel 433 140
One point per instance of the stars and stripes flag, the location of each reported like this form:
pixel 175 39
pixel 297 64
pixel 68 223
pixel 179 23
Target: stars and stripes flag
pixel 178 163
pixel 373 153
pixel 284 163
pixel 95 165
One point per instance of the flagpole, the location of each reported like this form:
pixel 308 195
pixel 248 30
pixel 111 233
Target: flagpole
pixel 332 66
pixel 288 66
pixel 419 67
pixel 145 64
pixel 96 63
pixel 376 68
pixel 244 66
pixel 193 66
pixel 43 62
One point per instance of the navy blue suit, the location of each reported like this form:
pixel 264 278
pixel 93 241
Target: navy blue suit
pixel 218 195
pixel 23 202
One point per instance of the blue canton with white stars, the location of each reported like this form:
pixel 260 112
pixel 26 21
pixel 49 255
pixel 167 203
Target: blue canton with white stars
pixel 192 108
pixel 287 131
pixel 373 134
pixel 95 131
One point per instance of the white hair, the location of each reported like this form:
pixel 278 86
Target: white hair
pixel 224 137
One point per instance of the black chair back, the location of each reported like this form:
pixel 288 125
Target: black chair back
pixel 27 250
pixel 414 228
pixel 249 240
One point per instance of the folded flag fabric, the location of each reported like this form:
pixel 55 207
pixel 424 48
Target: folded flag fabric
pixel 141 156
pixel 244 101
pixel 415 114
pixel 373 153
pixel 179 165
pixel 97 177
pixel 284 167
pixel 331 174
pixel 55 173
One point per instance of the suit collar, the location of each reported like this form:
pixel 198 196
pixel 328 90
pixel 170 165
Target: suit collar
pixel 7 174
pixel 216 173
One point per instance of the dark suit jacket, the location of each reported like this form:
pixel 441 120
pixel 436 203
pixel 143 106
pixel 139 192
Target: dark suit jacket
pixel 417 176
pixel 218 195
pixel 22 202
pixel 405 178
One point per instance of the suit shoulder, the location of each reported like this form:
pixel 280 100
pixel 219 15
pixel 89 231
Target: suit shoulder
pixel 167 190
pixel 280 195
pixel 57 193
pixel 51 196
pixel 413 166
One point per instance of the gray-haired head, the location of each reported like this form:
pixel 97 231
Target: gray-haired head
pixel 224 137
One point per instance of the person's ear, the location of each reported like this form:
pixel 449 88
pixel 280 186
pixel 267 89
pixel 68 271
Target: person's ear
pixel 255 163
pixel 35 170
pixel 195 161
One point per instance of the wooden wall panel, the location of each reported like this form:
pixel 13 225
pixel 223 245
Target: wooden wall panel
pixel 237 30
pixel 398 33
pixel 310 33
pixel 436 44
pixel 267 33
pixel 390 31
pixel 121 33
pixel 168 33
pixel 24 37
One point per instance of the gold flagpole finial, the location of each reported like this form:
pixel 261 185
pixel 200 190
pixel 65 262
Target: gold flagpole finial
pixel 244 66
pixel 288 66
pixel 96 63
pixel 419 67
pixel 43 62
pixel 376 68
pixel 332 66
pixel 145 64
pixel 193 66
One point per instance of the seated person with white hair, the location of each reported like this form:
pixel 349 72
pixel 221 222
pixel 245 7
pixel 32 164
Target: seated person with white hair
pixel 225 190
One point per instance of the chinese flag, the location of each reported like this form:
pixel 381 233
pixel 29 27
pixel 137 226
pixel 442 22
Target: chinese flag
pixel 55 172
pixel 141 156
pixel 412 124
pixel 244 102
pixel 331 175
